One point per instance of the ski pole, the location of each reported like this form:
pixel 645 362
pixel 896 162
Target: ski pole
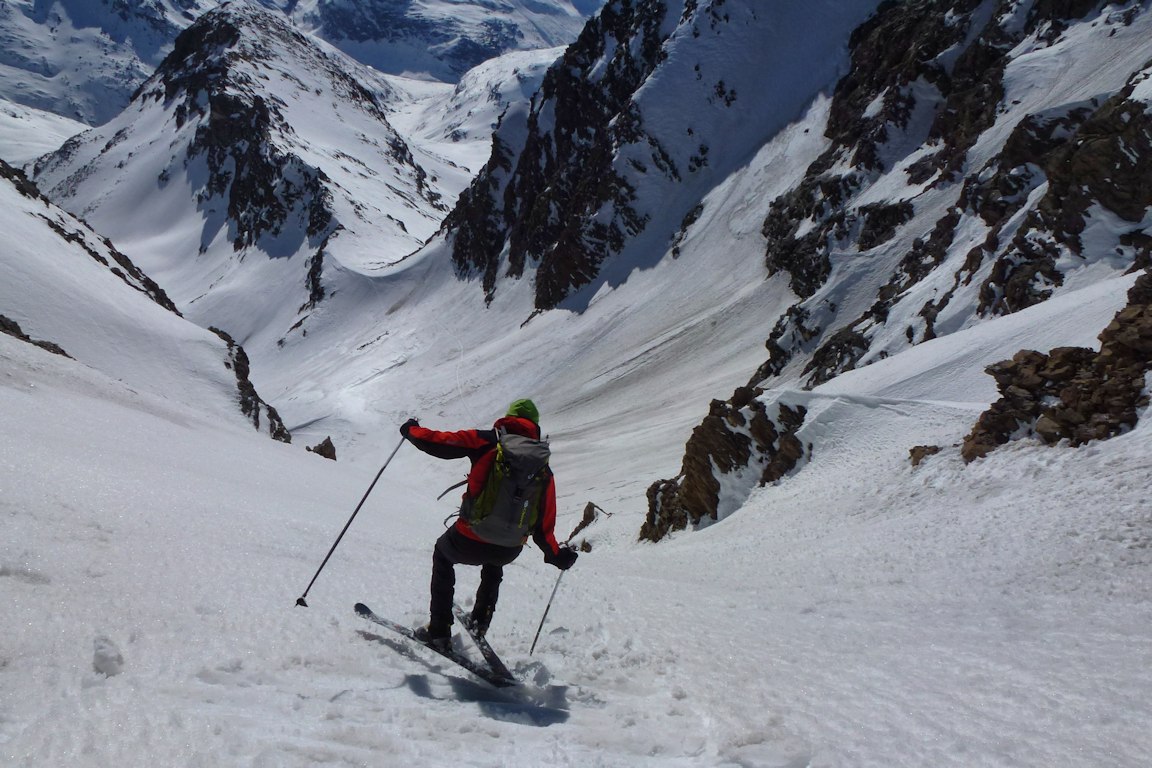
pixel 300 600
pixel 545 616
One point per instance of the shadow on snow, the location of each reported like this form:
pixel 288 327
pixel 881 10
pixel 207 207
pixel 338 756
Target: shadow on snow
pixel 525 704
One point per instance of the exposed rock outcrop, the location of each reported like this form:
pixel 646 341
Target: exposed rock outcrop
pixel 324 448
pixel 1073 393
pixel 251 404
pixel 919 453
pixel 592 513
pixel 543 200
pixel 736 435
pixel 12 328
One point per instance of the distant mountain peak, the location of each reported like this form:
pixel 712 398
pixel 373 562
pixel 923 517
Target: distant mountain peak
pixel 83 59
pixel 256 139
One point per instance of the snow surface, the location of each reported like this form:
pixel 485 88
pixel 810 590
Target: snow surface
pixel 27 133
pixel 862 613
pixel 859 613
pixel 59 292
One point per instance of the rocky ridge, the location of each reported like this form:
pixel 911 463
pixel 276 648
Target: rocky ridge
pixel 737 437
pixel 1066 187
pixel 57 238
pixel 541 197
pixel 99 248
pixel 251 404
pixel 233 102
pixel 12 328
pixel 603 173
pixel 918 112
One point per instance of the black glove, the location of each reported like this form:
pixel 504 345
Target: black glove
pixel 563 559
pixel 408 425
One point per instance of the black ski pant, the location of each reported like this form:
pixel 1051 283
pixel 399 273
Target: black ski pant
pixel 455 548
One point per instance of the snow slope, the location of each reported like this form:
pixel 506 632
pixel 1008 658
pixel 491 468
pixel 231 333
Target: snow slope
pixel 64 284
pixel 863 613
pixel 27 133
pixel 260 177
pixel 859 613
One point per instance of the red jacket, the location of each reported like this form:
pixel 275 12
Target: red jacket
pixel 477 445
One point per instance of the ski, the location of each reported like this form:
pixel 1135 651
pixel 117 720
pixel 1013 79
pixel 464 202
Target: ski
pixel 489 676
pixel 493 661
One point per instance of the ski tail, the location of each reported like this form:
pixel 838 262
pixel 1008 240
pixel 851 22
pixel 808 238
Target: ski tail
pixel 490 657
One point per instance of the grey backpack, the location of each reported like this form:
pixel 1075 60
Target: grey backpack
pixel 509 503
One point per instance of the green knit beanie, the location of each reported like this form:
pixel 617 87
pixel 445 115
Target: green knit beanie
pixel 525 409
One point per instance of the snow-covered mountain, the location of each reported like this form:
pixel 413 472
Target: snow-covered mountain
pixel 439 38
pixel 84 58
pixel 898 256
pixel 863 203
pixel 993 163
pixel 239 164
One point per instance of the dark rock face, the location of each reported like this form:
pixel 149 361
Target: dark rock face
pixel 872 106
pixel 881 70
pixel 1073 393
pixel 1090 153
pixel 839 353
pixel 1107 161
pixel 874 102
pixel 934 96
pixel 544 198
pixel 735 434
pixel 12 328
pixel 251 404
pixel 996 194
pixel 266 189
pixel 792 331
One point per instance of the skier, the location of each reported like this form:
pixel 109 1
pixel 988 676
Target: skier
pixel 510 495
